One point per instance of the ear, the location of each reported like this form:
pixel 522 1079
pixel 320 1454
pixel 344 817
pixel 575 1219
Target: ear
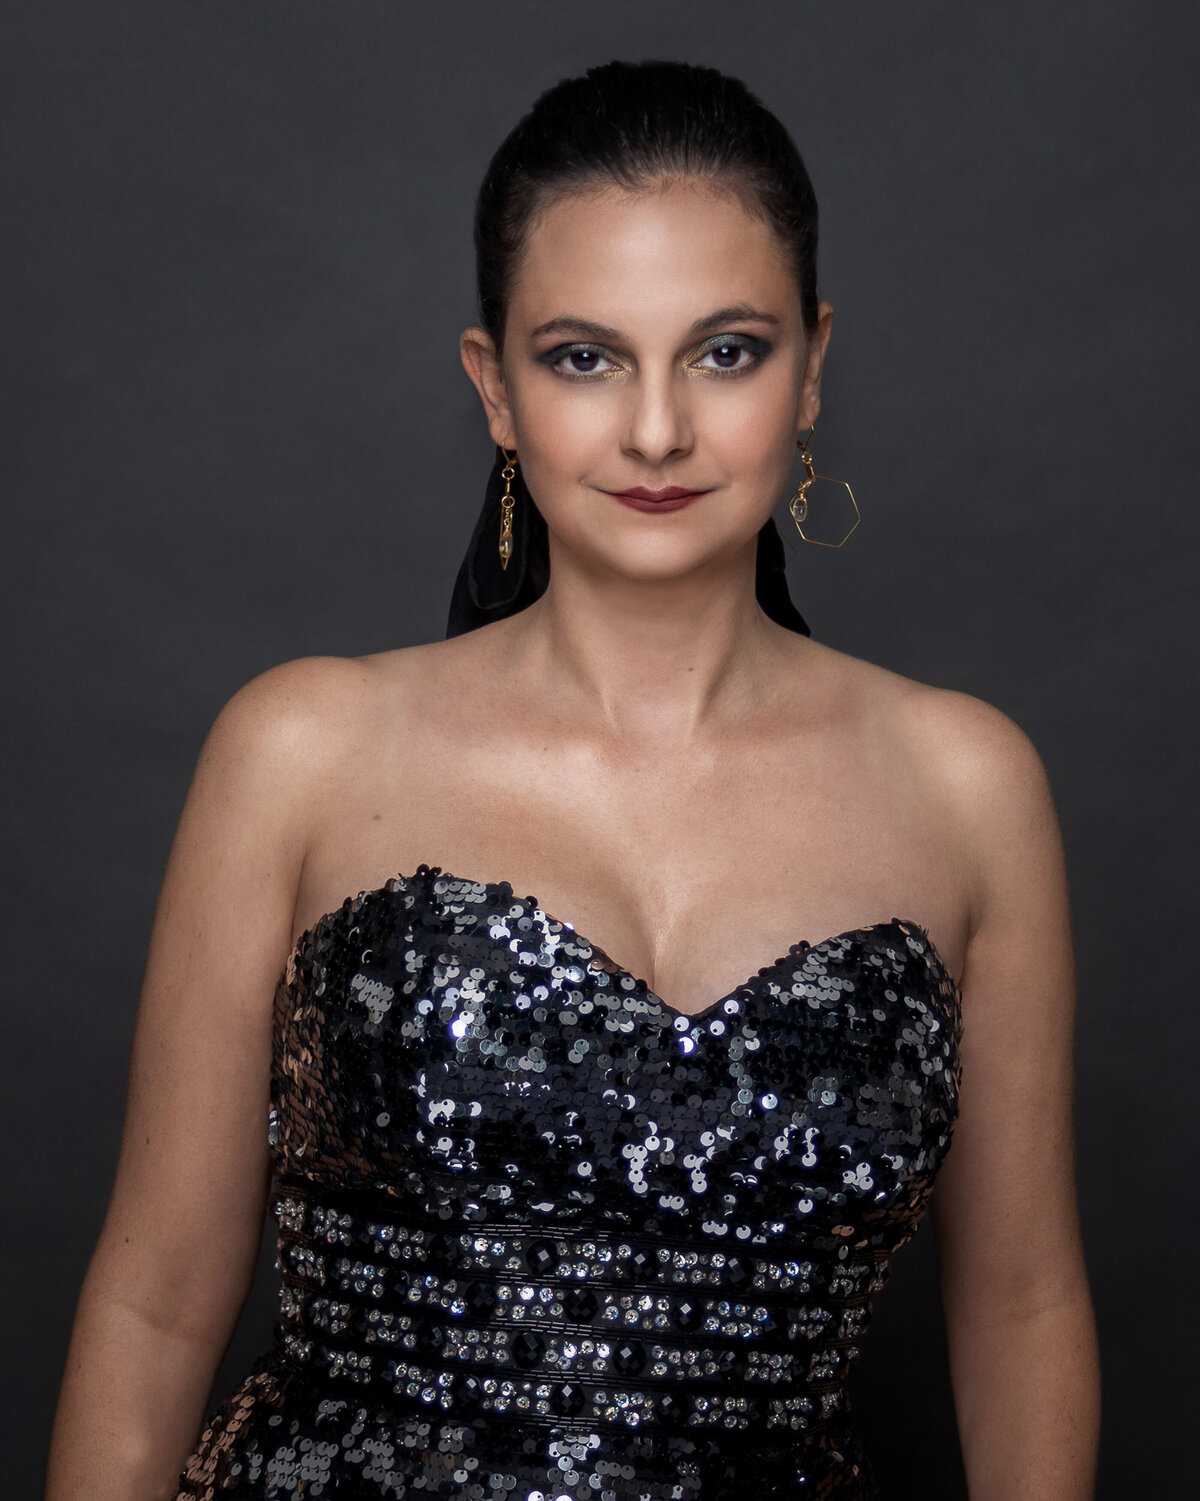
pixel 814 364
pixel 482 364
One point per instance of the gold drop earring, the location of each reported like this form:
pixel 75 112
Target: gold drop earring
pixel 507 504
pixel 798 505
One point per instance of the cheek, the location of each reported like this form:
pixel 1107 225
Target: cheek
pixel 758 419
pixel 752 429
pixel 560 426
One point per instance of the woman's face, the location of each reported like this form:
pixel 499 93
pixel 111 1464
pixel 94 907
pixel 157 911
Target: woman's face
pixel 654 340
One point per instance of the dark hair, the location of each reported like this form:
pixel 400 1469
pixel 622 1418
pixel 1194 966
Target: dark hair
pixel 630 124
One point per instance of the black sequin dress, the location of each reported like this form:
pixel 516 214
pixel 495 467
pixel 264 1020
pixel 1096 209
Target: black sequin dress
pixel 543 1237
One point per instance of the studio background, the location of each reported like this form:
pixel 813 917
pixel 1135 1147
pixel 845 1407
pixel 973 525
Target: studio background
pixel 236 432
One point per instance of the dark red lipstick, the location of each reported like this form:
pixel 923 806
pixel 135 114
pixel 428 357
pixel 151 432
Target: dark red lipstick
pixel 672 498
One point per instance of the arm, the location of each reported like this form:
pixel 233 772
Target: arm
pixel 177 1251
pixel 1019 1318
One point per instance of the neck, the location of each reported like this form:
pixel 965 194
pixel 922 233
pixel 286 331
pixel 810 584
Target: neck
pixel 650 661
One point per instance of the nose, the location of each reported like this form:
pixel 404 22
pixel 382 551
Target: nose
pixel 658 425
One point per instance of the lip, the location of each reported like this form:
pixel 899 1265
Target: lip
pixel 672 498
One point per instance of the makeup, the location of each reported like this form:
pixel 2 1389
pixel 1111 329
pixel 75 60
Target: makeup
pixel 673 498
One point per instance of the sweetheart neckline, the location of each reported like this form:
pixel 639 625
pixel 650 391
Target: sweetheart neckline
pixel 534 907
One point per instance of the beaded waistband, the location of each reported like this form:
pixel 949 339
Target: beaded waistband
pixel 572 1326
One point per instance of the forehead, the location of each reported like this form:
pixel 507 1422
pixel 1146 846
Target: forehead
pixel 669 252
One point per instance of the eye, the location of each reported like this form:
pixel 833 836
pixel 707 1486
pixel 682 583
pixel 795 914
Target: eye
pixel 730 354
pixel 727 356
pixel 580 361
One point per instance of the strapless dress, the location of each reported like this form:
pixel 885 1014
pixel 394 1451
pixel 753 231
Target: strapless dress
pixel 543 1237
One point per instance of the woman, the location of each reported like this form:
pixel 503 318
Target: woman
pixel 549 1228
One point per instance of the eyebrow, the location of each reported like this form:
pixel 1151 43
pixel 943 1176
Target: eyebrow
pixel 738 312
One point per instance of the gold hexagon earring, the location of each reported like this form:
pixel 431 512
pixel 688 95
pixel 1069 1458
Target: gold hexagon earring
pixel 799 503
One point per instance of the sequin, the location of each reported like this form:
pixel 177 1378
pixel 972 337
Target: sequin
pixel 543 1237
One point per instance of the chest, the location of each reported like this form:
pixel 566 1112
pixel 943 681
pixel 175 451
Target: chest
pixel 693 876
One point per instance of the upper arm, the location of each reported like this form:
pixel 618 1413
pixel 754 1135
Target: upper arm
pixel 1004 1208
pixel 185 1218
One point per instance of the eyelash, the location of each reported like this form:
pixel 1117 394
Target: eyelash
pixel 759 348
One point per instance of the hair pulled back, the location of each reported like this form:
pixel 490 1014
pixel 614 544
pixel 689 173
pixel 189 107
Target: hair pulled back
pixel 631 124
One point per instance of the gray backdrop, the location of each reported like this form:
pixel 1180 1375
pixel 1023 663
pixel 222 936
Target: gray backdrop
pixel 238 257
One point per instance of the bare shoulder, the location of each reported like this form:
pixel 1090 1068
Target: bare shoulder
pixel 270 766
pixel 967 750
pixel 970 770
pixel 980 776
pixel 294 701
pixel 980 756
pixel 285 747
pixel 977 776
pixel 303 718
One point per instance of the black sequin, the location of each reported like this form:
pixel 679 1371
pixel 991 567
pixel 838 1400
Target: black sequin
pixel 543 1237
